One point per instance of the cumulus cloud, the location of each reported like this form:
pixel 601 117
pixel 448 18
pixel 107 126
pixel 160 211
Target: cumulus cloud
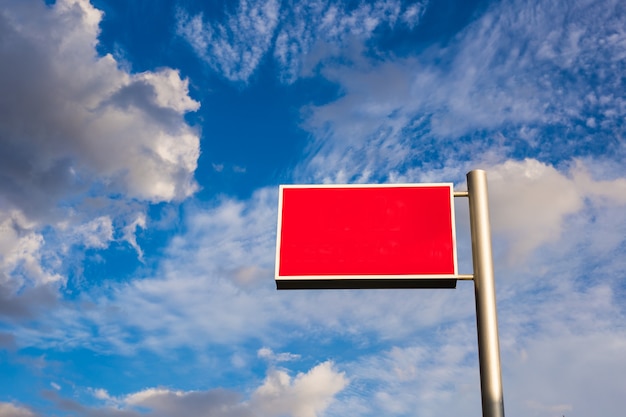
pixel 306 395
pixel 73 117
pixel 165 402
pixel 21 253
pixel 28 281
pixel 531 201
pixel 80 138
pixel 12 410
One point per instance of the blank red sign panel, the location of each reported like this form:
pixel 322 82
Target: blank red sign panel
pixel 345 231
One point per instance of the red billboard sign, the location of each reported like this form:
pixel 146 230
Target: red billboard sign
pixel 366 236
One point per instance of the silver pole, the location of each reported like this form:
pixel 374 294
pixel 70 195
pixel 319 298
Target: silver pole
pixel 485 292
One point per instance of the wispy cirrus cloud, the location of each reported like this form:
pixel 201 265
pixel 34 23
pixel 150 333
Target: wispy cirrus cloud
pixel 269 355
pixel 236 47
pixel 519 80
pixel 299 35
pixel 314 31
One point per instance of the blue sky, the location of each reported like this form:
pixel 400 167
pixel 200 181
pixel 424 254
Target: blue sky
pixel 141 148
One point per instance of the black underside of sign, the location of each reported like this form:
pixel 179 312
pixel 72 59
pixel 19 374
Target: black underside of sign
pixel 354 284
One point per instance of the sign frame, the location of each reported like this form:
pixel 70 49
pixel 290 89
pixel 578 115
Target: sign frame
pixel 370 281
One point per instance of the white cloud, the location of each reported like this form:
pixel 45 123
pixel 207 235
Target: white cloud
pixel 561 332
pixel 530 201
pixel 171 92
pixel 562 349
pixel 300 34
pixel 307 395
pixel 21 254
pixel 437 376
pixel 86 119
pixel 97 233
pixel 12 410
pixel 130 233
pixel 84 144
pixel 268 354
pixel 314 31
pixel 489 94
pixel 236 47
pixel 101 394
pixel 223 263
pixel 413 14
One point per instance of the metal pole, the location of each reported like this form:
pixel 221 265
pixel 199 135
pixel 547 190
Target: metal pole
pixel 484 289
